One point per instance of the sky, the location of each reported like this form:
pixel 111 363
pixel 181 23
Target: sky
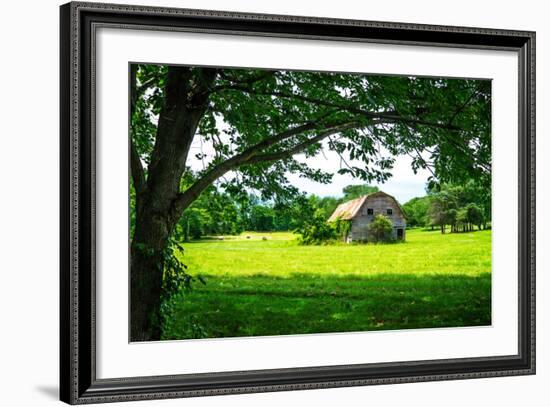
pixel 403 185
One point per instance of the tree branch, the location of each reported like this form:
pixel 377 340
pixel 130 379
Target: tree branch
pixel 342 159
pixel 463 106
pixel 248 81
pixel 253 155
pixel 137 91
pixel 270 141
pixel 298 148
pixel 388 116
pixel 138 173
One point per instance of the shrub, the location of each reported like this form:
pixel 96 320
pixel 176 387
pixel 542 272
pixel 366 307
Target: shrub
pixel 380 229
pixel 316 230
pixel 342 227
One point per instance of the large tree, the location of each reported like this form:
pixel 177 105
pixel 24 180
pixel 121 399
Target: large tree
pixel 258 121
pixel 355 191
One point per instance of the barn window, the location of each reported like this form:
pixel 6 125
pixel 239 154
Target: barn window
pixel 389 211
pixel 370 211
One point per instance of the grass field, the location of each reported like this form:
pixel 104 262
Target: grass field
pixel 276 287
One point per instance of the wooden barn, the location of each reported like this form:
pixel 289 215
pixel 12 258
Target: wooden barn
pixel 361 211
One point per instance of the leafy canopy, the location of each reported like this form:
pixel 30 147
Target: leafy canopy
pixel 443 124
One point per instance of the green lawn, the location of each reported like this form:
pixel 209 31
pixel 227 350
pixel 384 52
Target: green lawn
pixel 276 287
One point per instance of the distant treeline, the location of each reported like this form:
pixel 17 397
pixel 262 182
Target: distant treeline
pixel 216 212
pixel 462 207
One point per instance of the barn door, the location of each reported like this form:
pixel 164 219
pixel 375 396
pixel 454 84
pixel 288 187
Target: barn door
pixel 400 233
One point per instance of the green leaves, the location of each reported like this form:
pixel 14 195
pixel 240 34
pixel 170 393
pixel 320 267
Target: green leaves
pixel 147 99
pixel 316 230
pixel 214 212
pixel 460 206
pixel 175 275
pixel 380 229
pixel 355 191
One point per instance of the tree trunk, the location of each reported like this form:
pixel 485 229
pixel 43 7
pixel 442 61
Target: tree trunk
pixel 146 264
pixel 186 99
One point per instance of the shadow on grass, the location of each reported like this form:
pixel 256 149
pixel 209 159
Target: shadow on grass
pixel 263 305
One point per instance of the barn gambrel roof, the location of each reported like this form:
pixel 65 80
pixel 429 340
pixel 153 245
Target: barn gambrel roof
pixel 349 210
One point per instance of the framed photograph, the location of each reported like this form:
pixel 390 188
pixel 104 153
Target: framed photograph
pixel 254 203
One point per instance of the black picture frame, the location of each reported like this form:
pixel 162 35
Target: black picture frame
pixel 78 382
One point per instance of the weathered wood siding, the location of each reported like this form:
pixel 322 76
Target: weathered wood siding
pixel 379 205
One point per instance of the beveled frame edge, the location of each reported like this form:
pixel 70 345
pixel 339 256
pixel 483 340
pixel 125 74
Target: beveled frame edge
pixel 78 384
